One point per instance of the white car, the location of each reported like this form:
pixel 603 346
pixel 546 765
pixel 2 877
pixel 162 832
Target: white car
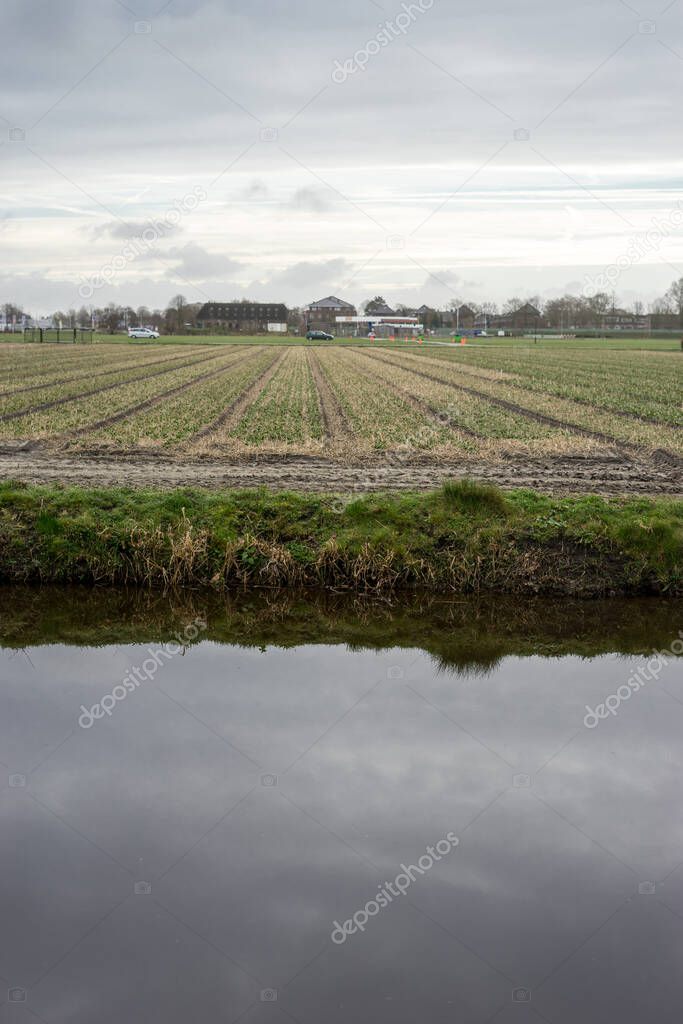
pixel 142 332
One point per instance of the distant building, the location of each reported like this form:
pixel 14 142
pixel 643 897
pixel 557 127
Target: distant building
pixel 461 319
pixel 621 320
pixel 665 321
pixel 242 317
pixel 526 318
pixel 431 318
pixel 14 322
pixel 322 315
pixel 382 311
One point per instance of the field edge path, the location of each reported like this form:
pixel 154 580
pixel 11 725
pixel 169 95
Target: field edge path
pixel 553 475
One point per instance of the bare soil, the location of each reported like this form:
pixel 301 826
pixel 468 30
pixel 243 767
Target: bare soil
pixel 659 474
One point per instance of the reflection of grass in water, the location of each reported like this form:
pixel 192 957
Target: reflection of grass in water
pixel 463 635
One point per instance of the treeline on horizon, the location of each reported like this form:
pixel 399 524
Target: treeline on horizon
pixel 564 312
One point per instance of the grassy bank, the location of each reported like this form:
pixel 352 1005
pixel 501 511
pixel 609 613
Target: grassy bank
pixel 461 538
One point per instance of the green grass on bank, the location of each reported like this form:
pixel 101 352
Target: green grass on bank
pixel 462 537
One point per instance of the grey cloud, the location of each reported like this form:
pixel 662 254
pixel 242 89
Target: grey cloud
pixel 111 112
pixel 197 263
pixel 255 190
pixel 121 230
pixel 309 275
pixel 310 200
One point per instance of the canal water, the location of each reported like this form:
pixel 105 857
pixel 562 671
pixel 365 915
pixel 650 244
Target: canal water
pixel 310 808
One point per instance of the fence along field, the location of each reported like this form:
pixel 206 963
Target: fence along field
pixel 347 404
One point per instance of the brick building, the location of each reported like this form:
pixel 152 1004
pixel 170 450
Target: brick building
pixel 322 315
pixel 242 317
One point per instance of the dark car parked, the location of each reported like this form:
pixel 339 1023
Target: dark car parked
pixel 319 336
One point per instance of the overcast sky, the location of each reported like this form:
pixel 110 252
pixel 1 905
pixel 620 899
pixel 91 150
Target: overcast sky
pixel 468 149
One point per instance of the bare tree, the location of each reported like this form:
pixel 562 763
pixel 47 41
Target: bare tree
pixel 84 317
pixel 111 317
pixel 675 298
pixel 374 305
pixel 175 314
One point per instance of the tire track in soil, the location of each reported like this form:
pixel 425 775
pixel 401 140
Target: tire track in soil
pixel 335 421
pixel 421 406
pixel 90 376
pixel 99 391
pixel 507 378
pixel 529 414
pixel 556 475
pixel 234 412
pixel 149 403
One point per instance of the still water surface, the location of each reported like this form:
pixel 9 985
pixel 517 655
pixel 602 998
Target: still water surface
pixel 186 856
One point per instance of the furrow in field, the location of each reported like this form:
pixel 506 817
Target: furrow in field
pixel 633 367
pixel 382 421
pixel 117 366
pixel 32 355
pixel 80 395
pixel 215 434
pixel 285 414
pixel 156 423
pixel 81 415
pixel 431 401
pixel 154 400
pixel 335 421
pixel 65 388
pixel 498 430
pixel 19 368
pixel 571 416
pixel 641 389
pixel 518 410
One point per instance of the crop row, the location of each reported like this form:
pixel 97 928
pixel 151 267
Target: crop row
pixel 81 386
pixel 79 413
pixel 96 365
pixel 21 364
pixel 632 432
pixel 646 384
pixel 173 422
pixel 469 412
pixel 381 420
pixel 287 410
